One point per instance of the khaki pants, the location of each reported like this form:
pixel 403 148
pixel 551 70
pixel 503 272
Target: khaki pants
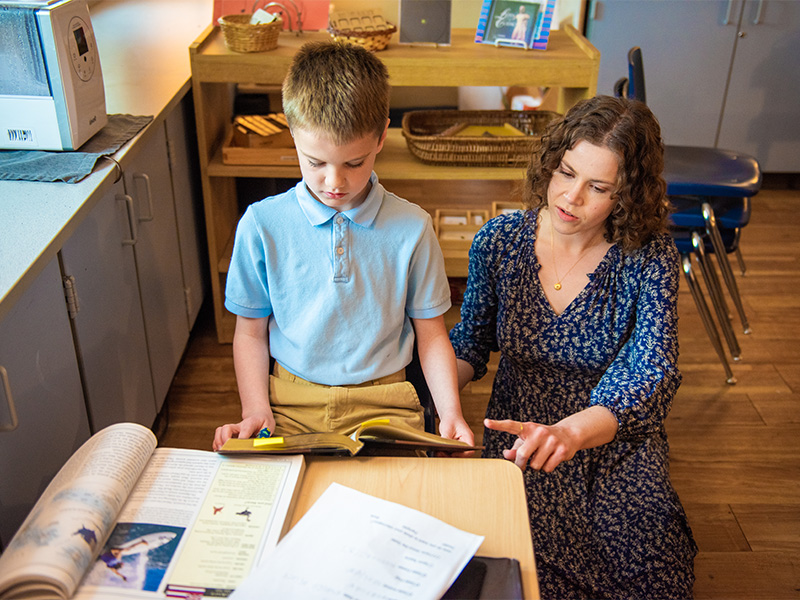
pixel 300 406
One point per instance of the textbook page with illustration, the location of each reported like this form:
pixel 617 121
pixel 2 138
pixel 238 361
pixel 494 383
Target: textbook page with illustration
pixel 125 519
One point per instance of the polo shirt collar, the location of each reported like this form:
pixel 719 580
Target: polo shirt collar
pixel 318 213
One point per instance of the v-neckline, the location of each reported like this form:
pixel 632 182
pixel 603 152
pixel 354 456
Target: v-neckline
pixel 537 215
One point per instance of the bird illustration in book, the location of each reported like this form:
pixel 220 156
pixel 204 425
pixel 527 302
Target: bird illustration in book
pixel 88 535
pixel 245 513
pixel 217 509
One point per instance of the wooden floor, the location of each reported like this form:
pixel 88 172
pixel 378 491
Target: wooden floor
pixel 735 449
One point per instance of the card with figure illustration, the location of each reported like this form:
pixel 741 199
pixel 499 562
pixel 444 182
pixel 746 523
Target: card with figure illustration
pixel 518 23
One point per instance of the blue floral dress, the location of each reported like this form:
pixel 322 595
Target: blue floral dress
pixel 606 524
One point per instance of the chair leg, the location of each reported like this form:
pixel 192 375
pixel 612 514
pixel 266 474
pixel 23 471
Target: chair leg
pixel 717 297
pixel 705 316
pixel 724 263
pixel 740 260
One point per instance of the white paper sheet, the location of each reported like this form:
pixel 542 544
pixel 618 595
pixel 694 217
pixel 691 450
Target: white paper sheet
pixel 353 545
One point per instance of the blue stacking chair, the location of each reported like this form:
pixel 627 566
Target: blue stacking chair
pixel 711 191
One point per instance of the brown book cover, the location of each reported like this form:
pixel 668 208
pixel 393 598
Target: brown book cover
pixel 377 436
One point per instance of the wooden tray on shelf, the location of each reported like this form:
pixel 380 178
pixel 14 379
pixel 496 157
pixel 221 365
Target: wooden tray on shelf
pixel 232 154
pixel 455 229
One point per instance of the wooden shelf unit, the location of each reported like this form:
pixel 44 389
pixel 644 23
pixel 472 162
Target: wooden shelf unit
pixel 569 64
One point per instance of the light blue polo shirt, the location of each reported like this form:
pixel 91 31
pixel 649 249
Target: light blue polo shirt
pixel 339 288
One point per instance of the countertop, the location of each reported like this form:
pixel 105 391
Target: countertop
pixel 144 54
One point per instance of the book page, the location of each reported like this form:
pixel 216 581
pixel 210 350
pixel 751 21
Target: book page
pixel 196 523
pixel 74 515
pixel 353 545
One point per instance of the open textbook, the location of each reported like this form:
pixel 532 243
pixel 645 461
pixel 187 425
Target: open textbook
pixel 124 519
pixel 377 436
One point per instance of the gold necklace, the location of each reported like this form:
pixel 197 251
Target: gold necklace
pixel 557 284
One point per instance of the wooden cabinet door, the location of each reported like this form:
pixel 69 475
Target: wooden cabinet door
pixel 158 263
pixel 109 327
pixel 40 373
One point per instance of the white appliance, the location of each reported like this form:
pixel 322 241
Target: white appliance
pixel 51 85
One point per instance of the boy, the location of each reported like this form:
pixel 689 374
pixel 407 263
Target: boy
pixel 334 278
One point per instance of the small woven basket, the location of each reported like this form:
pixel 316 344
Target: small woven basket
pixel 363 28
pixel 242 36
pixel 423 131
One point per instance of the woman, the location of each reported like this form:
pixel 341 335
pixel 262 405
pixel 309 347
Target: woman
pixel 578 293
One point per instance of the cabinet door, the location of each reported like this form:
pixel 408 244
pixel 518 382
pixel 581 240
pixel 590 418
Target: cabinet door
pixel 157 252
pixel 686 47
pixel 188 202
pixel 40 371
pixel 761 114
pixel 108 325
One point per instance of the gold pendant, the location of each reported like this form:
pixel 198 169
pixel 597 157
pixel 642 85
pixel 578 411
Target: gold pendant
pixel 557 286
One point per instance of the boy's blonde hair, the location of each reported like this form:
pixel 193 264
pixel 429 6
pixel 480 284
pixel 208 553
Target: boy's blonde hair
pixel 338 90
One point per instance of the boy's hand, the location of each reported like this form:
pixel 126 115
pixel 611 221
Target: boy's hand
pixel 246 428
pixel 457 429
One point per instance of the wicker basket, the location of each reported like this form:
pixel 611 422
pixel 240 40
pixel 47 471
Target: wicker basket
pixel 363 28
pixel 241 36
pixel 423 130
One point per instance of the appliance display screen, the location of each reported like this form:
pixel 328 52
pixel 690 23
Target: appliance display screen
pixel 80 39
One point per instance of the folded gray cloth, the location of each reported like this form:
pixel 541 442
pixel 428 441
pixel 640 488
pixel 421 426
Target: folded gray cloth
pixel 70 166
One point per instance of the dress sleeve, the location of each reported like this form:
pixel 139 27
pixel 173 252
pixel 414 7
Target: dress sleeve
pixel 639 385
pixel 475 337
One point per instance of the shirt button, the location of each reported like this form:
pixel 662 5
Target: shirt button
pixel 339 220
pixel 340 250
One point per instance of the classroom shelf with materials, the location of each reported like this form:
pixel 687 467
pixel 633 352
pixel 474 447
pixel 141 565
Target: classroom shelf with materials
pixel 569 66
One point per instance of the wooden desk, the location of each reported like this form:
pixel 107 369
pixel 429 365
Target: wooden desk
pixel 483 496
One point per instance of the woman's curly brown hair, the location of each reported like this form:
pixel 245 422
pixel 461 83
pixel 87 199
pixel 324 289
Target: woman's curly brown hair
pixel 630 130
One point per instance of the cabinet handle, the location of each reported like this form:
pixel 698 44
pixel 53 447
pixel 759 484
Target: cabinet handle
pixel 757 20
pixel 727 19
pixel 133 227
pixel 12 411
pixel 144 177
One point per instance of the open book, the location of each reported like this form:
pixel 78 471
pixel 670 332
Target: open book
pixel 378 436
pixel 125 519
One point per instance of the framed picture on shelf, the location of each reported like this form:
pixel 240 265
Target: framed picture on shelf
pixel 518 23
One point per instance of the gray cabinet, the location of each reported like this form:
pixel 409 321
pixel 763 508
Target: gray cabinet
pixel 719 73
pixel 40 373
pixel 134 263
pixel 185 170
pixel 108 323
pixel 108 352
pixel 762 107
pixel 158 262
